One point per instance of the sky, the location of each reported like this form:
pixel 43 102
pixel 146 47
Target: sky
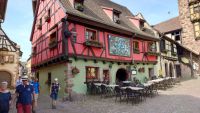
pixel 19 17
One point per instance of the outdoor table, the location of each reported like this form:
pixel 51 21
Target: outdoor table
pixel 126 83
pixel 97 84
pixel 133 88
pixel 147 84
pixel 112 85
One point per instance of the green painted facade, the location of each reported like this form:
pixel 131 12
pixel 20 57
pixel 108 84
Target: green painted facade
pixel 57 71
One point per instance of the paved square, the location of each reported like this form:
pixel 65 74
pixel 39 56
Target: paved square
pixel 183 98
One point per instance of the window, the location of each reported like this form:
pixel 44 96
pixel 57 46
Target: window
pixel 49 79
pixel 48 16
pixel 78 5
pixel 177 36
pixel 116 16
pixel 91 35
pixel 11 59
pixel 49 12
pixel 162 45
pixel 152 47
pixel 142 24
pixel 172 47
pixel 106 76
pixel 53 40
pixel 34 50
pixel 196 9
pixel 136 47
pixel 197 29
pixel 195 12
pixel 92 73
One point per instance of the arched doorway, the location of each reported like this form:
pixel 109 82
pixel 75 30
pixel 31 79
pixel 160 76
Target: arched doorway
pixel 171 70
pixel 166 69
pixel 5 76
pixel 121 75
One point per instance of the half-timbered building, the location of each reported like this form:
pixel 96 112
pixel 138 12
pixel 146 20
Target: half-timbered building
pixel 9 53
pixel 79 41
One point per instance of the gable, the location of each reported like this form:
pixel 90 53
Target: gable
pixel 5 43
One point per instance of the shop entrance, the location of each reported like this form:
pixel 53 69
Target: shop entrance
pixel 121 75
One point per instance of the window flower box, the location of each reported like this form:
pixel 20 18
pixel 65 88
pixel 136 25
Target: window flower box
pixel 39 26
pixel 164 51
pixel 53 44
pixel 151 53
pixel 174 54
pixel 137 51
pixel 93 43
pixel 47 18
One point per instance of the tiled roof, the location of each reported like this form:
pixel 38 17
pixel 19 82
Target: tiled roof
pixel 169 25
pixel 93 11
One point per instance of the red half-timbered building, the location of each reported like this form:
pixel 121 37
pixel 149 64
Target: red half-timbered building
pixel 79 41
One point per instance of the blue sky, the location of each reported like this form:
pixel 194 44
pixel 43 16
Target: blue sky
pixel 19 17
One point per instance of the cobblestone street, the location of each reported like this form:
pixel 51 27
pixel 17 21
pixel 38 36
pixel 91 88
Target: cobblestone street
pixel 183 98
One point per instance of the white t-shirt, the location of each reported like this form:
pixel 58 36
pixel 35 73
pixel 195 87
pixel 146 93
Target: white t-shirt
pixel 18 82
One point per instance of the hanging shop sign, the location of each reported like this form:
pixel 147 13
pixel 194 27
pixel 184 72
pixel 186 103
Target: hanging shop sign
pixel 185 60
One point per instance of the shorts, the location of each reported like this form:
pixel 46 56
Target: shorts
pixel 35 97
pixel 24 108
pixel 54 96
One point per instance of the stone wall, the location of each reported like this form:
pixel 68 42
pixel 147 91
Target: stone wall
pixel 188 38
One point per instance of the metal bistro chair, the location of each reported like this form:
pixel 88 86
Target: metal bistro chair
pixel 118 93
pixel 104 90
pixel 94 89
pixel 132 95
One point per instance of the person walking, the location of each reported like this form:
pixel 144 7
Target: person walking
pixel 36 87
pixel 55 87
pixel 5 98
pixel 24 94
pixel 18 81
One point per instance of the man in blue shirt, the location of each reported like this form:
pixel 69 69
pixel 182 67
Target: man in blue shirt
pixel 24 93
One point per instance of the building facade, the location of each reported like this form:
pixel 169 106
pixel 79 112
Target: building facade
pixel 189 17
pixel 187 64
pixel 9 53
pixel 79 41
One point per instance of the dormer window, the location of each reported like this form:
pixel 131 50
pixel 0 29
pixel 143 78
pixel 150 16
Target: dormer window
pixel 78 5
pixel 116 16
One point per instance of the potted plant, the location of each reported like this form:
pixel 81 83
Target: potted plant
pixel 93 43
pixel 136 51
pixel 80 7
pixel 75 71
pixel 39 26
pixel 47 18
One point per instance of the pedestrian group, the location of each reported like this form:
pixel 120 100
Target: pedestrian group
pixel 26 95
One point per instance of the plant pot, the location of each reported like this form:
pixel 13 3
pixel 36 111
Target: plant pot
pixel 47 19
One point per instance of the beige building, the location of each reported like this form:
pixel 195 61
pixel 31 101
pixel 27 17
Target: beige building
pixel 9 53
pixel 189 17
pixel 9 59
pixel 185 30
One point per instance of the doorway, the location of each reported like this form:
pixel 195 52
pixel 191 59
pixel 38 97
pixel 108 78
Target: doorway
pixel 151 73
pixel 171 70
pixel 166 69
pixel 121 75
